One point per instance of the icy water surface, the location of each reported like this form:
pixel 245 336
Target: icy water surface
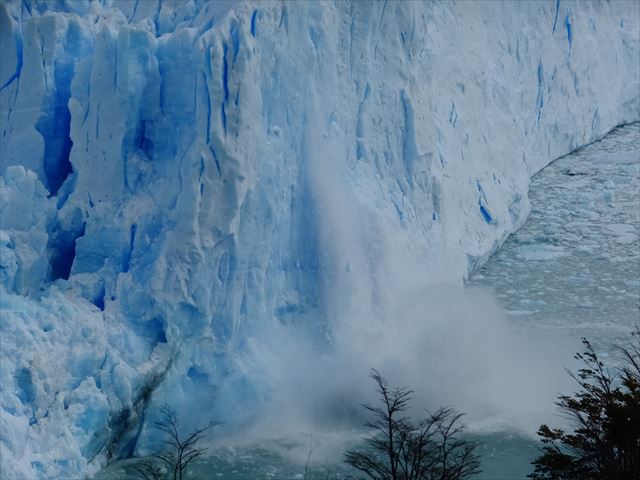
pixel 572 270
pixel 574 266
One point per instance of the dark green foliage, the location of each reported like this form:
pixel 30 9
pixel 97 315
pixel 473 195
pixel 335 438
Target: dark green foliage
pixel 605 444
pixel 400 449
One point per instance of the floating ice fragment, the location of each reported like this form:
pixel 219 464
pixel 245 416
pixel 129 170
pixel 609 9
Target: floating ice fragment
pixel 539 252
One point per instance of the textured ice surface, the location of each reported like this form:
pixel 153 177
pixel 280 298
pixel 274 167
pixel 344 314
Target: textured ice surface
pixel 574 267
pixel 218 191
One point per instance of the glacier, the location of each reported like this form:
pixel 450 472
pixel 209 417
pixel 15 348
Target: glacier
pixel 198 198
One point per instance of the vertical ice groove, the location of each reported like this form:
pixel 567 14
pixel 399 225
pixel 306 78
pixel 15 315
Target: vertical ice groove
pixel 453 115
pixel 555 20
pixel 135 9
pixel 115 68
pixel 409 151
pixel 540 85
pixel 27 6
pixel 383 12
pixel 253 23
pixel 10 34
pixel 360 146
pixel 225 87
pixel 225 72
pixel 205 87
pixel 215 159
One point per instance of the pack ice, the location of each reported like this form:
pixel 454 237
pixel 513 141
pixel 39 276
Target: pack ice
pixel 190 188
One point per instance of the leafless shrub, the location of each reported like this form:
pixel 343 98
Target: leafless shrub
pixel 400 449
pixel 178 452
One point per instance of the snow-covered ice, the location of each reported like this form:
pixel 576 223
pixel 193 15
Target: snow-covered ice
pixel 190 189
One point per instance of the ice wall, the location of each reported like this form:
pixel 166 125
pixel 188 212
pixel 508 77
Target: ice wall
pixel 191 187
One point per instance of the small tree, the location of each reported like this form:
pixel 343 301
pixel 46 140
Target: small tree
pixel 399 449
pixel 179 451
pixel 605 444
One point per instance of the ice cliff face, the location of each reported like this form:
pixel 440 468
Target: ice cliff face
pixel 188 187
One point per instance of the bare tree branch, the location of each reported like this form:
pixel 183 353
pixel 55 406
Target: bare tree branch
pixel 179 452
pixel 400 449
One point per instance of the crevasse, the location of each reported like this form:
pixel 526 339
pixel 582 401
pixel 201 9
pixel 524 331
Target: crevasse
pixel 191 188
